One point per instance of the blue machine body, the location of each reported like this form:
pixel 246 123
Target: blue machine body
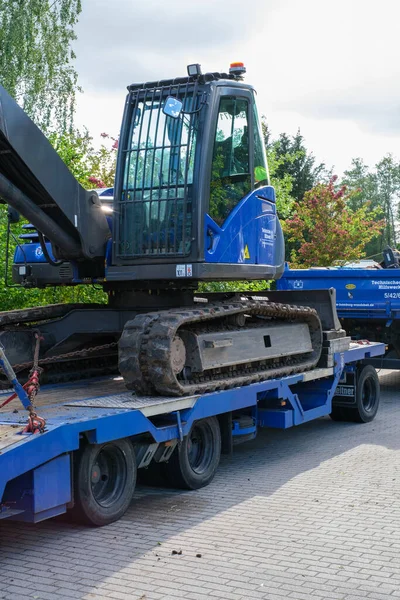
pixel 31 252
pixel 251 234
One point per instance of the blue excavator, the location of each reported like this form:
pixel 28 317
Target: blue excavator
pixel 192 203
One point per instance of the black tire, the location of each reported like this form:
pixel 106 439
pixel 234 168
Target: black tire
pixel 367 396
pixel 367 399
pixel 244 421
pixel 195 461
pixel 104 482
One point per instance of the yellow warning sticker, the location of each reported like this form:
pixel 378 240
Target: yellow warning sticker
pixel 246 252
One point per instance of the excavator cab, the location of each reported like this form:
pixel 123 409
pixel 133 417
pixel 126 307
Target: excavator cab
pixel 191 201
pixel 188 201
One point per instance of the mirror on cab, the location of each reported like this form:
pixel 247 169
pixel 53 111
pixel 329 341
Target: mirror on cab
pixel 172 107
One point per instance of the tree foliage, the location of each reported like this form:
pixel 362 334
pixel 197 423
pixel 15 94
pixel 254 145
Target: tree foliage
pixel 379 188
pixel 36 58
pixel 294 161
pixel 388 191
pixel 93 167
pixel 326 230
pixel 283 185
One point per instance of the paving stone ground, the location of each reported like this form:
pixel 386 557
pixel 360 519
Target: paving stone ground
pixel 308 513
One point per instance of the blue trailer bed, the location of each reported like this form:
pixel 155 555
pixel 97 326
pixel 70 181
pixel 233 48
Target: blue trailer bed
pixel 36 470
pixel 360 293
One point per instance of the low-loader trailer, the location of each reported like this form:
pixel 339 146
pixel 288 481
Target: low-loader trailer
pixel 94 437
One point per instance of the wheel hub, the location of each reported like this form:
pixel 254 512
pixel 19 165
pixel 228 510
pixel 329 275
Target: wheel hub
pixel 95 476
pixel 108 475
pixel 199 448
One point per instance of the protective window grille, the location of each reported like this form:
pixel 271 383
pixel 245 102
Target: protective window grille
pixel 155 210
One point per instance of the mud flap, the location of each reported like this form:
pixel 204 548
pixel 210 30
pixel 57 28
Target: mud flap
pixel 345 394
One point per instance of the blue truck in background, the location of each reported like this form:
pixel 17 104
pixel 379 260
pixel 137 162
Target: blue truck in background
pixel 367 299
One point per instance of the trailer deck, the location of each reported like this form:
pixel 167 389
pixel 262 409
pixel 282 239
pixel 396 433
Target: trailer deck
pixel 35 469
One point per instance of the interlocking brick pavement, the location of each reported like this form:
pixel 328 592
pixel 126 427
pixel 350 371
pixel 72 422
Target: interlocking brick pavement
pixel 308 513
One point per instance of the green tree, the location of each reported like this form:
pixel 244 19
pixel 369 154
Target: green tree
pixel 362 183
pixel 92 167
pixel 326 231
pixel 282 181
pixel 294 160
pixel 283 185
pixel 379 188
pixel 299 163
pixel 388 189
pixel 36 58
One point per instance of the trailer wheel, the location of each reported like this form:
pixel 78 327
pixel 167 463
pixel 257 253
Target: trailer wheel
pixel 104 482
pixel 367 399
pixel 367 396
pixel 195 461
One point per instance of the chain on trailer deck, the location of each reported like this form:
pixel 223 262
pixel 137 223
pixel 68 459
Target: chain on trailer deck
pixel 27 392
pixel 20 317
pixel 60 357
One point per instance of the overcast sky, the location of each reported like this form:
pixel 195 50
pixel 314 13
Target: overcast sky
pixel 330 68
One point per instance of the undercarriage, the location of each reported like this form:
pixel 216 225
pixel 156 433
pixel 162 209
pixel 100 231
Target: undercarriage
pixel 218 346
pixel 182 345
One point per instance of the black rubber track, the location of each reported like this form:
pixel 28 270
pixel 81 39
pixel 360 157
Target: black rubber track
pixel 145 347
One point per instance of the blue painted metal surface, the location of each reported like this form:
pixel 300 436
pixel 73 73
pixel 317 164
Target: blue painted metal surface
pixel 41 493
pixel 360 293
pixel 249 233
pixel 37 464
pixel 31 253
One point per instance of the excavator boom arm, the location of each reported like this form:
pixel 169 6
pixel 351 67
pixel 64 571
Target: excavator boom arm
pixel 36 182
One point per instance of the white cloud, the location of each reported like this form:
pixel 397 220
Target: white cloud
pixel 328 67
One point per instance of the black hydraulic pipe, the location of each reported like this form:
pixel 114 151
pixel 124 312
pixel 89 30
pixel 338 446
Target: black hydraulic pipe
pixel 53 263
pixel 31 211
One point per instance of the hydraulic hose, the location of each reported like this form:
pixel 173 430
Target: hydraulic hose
pixel 53 263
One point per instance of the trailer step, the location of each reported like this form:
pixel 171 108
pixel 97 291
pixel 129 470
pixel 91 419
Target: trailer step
pixel 148 405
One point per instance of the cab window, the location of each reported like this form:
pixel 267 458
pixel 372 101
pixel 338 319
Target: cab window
pixel 230 174
pixel 260 159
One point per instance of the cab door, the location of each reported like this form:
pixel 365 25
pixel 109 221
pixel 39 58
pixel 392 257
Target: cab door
pixel 240 226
